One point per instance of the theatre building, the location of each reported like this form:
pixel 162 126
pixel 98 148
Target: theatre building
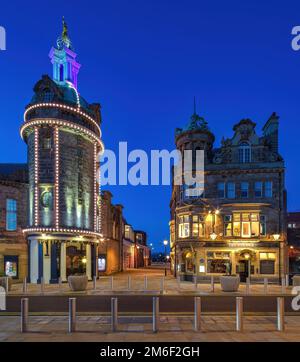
pixel 235 222
pixel 63 137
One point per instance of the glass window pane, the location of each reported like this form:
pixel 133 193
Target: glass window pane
pixel 258 189
pixel 236 229
pixel 231 190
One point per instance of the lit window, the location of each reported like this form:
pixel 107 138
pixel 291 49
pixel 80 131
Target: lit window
pixel 244 189
pixel 263 225
pixel 230 190
pixel 184 226
pixel 258 189
pixel 228 225
pixel 245 225
pixel 244 153
pixel 221 190
pixel 11 215
pixel 268 189
pixel 198 226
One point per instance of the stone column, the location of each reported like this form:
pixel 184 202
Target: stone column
pixel 88 261
pixel 46 262
pixel 34 261
pixel 63 261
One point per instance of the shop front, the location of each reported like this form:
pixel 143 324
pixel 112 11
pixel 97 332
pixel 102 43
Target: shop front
pixel 246 260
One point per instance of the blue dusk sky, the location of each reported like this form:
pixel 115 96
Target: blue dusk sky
pixel 144 61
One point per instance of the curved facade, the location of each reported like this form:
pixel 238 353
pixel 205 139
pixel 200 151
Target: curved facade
pixel 63 135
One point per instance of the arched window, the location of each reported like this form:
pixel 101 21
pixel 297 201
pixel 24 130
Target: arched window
pixel 244 152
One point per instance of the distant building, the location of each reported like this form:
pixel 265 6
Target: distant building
pixel 13 203
pixel 234 223
pixel 293 238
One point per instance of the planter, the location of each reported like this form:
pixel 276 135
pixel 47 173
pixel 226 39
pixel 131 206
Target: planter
pixel 3 282
pixel 296 280
pixel 78 282
pixel 230 283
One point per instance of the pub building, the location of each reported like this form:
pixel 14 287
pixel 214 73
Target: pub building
pixel 235 222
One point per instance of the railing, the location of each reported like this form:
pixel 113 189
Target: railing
pixel 239 312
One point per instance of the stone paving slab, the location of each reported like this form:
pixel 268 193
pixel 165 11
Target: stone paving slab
pixel 172 329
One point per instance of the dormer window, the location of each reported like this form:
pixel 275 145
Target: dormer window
pixel 244 152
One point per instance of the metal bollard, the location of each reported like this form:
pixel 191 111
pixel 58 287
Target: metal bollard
pixel 114 314
pixel 178 281
pixel 145 282
pixel 155 315
pixel 42 285
pixel 283 285
pixel 195 282
pixel 129 282
pixel 111 282
pixel 265 285
pixel 280 314
pixel 248 286
pixel 162 284
pixel 239 314
pixel 59 283
pixel 25 285
pixel 94 282
pixel 287 280
pixel 212 284
pixel 6 285
pixel 24 315
pixel 197 314
pixel 72 315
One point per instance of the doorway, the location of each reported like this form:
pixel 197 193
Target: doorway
pixel 243 270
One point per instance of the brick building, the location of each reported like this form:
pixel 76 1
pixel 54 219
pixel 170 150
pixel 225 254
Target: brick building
pixel 13 202
pixel 235 222
pixel 293 238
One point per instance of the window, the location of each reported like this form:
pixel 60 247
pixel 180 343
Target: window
pixel 184 226
pixel 228 225
pixel 258 189
pixel 218 262
pixel 244 190
pixel 11 215
pixel 267 263
pixel 47 199
pixel 244 153
pixel 11 264
pixel 268 189
pixel 198 226
pixel 263 225
pixel 245 225
pixel 221 190
pixel 46 143
pixel 231 190
pixel 61 72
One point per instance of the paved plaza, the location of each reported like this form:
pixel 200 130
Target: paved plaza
pixel 150 280
pixel 171 329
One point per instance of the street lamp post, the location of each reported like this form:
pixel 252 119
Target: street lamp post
pixel 165 244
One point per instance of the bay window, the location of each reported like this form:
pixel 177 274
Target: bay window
pixel 184 226
pixel 198 226
pixel 245 225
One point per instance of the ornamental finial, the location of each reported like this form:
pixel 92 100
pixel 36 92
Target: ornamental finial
pixel 64 39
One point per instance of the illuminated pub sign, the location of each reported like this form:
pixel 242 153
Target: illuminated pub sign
pixel 11 265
